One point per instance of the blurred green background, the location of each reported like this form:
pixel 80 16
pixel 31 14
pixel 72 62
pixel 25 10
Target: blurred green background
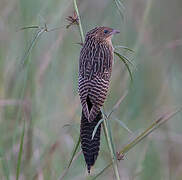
pixel 44 92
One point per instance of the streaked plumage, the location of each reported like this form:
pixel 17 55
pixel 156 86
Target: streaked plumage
pixel 95 66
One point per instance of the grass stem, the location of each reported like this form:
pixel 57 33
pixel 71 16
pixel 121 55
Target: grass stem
pixel 80 25
pixel 161 120
pixel 20 152
pixel 114 160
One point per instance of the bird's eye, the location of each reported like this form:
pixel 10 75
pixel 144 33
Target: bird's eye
pixel 106 31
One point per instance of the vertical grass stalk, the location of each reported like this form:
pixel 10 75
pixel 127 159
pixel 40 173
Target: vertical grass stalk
pixel 114 160
pixel 20 152
pixel 80 25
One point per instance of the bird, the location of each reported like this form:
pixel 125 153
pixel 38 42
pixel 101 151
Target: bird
pixel 95 67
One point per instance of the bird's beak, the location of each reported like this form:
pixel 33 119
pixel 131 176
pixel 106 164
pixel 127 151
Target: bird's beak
pixel 115 31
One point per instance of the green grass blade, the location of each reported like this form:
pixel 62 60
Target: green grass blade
pixel 111 139
pixel 120 4
pixel 74 152
pixel 28 27
pixel 129 61
pixel 113 155
pixel 124 61
pixel 80 25
pixel 71 160
pixel 20 152
pixel 115 107
pixel 96 127
pixel 123 125
pixel 120 7
pixel 102 171
pixel 124 47
pixel 27 52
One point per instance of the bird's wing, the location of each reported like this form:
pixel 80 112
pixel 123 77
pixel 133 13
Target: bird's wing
pixel 83 89
pixel 97 95
pixel 94 74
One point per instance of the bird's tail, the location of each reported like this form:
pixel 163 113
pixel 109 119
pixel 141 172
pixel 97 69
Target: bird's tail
pixel 90 147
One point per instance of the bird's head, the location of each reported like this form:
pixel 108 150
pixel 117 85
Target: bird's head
pixel 102 34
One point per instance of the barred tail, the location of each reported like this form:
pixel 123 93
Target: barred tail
pixel 90 148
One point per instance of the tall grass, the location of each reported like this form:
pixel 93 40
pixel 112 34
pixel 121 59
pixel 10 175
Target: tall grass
pixel 43 94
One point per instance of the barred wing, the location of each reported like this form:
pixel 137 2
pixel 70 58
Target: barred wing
pixel 94 74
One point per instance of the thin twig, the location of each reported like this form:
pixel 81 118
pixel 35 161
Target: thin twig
pixel 38 34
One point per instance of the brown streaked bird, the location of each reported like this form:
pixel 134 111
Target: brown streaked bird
pixel 95 67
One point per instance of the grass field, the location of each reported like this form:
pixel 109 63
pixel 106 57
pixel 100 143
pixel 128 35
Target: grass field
pixel 39 104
